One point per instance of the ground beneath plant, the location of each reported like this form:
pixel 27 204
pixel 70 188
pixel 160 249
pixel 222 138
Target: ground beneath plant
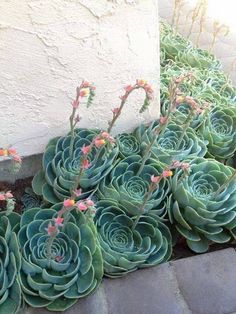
pixel 180 250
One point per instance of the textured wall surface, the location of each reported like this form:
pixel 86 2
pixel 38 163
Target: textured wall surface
pixel 225 46
pixel 47 47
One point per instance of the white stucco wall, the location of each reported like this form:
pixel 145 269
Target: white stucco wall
pixel 48 46
pixel 220 10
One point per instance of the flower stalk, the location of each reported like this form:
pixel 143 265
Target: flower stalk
pixel 140 84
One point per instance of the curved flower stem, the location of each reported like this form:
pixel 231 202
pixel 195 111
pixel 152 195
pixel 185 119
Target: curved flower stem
pixel 148 150
pixel 227 182
pixel 72 130
pixel 140 84
pixel 49 246
pixel 142 209
pixel 185 127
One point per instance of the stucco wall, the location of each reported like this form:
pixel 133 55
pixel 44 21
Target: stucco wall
pixel 225 46
pixel 47 47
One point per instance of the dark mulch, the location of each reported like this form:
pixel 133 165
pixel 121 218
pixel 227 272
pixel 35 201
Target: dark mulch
pixel 180 250
pixel 17 189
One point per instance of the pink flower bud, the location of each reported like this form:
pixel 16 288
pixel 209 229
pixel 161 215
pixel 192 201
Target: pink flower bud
pixel 77 192
pixel 116 110
pixel 89 203
pixel 163 120
pixel 128 88
pixel 75 104
pixel 17 158
pixel 85 84
pixel 86 149
pixel 12 151
pixel 2 197
pixel 8 194
pixel 85 164
pixel 81 206
pixel 155 179
pixel 58 221
pixel 51 230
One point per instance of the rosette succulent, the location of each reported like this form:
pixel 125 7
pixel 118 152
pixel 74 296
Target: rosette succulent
pixel 72 270
pixel 128 187
pixel 10 264
pixel 128 145
pixel 60 172
pixel 219 129
pixel 204 204
pixel 166 148
pixel 125 248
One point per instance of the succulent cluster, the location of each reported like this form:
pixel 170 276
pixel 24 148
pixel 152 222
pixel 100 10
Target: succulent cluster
pixel 103 205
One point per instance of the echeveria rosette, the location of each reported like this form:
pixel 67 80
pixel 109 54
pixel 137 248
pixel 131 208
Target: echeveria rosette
pixel 10 264
pixel 200 213
pixel 128 187
pixel 60 172
pixel 128 145
pixel 126 249
pixel 219 129
pixel 199 58
pixel 164 149
pixel 75 268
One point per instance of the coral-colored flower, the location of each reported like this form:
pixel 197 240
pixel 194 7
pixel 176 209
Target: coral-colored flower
pixel 167 173
pixel 69 203
pixel 81 206
pixel 2 197
pixel 85 164
pixel 141 82
pixel 155 179
pixel 3 152
pixel 12 151
pixel 51 230
pixel 105 135
pixel 89 203
pixel 99 142
pixel 59 221
pixel 128 88
pixel 116 111
pixel 163 120
pixel 86 149
pixel 84 92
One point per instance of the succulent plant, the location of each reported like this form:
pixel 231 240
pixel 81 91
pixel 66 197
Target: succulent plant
pixel 128 187
pixel 203 206
pixel 10 264
pixel 73 269
pixel 58 178
pixel 165 149
pixel 219 129
pixel 125 248
pixel 30 199
pixel 128 145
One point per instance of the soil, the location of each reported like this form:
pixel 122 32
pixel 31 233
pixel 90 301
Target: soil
pixel 180 250
pixel 17 189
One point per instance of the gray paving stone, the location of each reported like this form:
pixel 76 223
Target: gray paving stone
pixel 150 291
pixel 208 282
